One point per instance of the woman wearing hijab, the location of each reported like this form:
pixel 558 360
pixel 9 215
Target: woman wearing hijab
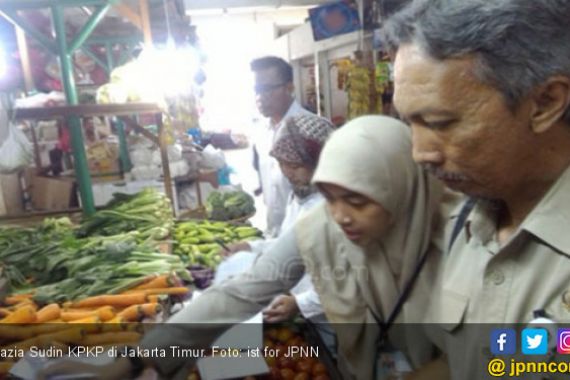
pixel 297 151
pixel 363 249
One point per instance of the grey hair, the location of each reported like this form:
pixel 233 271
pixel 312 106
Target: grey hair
pixel 517 44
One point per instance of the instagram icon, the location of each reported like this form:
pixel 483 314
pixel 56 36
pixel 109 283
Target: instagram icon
pixel 563 341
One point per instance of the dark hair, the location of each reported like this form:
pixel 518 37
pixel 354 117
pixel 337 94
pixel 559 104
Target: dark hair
pixel 284 69
pixel 517 44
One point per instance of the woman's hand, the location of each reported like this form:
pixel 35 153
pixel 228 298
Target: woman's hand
pixel 282 308
pixel 235 247
pixel 120 369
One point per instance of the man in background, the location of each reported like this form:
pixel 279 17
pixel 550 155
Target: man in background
pixel 274 95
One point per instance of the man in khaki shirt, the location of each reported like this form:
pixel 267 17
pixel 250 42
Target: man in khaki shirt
pixel 485 87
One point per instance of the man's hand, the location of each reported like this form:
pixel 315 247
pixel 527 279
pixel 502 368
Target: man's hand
pixel 234 248
pixel 282 308
pixel 118 370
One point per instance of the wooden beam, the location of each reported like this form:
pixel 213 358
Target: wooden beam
pixel 145 18
pixel 126 11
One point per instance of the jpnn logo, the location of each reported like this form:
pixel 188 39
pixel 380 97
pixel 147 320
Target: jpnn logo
pixel 504 342
pixel 534 341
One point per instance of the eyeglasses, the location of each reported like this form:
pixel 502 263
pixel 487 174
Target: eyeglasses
pixel 266 88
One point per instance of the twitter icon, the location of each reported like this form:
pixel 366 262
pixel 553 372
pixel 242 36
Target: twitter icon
pixel 534 341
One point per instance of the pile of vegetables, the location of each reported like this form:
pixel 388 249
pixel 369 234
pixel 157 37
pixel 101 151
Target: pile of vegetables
pixel 108 265
pixel 103 321
pixel 229 205
pixel 109 252
pixel 57 266
pixel 197 242
pixel 148 212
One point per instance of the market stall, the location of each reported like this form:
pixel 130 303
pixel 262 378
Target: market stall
pixel 127 207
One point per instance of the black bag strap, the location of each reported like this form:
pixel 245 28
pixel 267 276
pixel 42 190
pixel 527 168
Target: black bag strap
pixel 461 219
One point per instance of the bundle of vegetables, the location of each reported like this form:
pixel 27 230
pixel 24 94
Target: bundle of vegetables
pixel 196 241
pixel 229 205
pixel 34 254
pixel 148 212
pixel 108 265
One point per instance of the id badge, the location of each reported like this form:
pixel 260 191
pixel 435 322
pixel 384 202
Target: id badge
pixel 392 365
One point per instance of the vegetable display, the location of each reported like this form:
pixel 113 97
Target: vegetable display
pixel 148 212
pixel 196 240
pixel 229 205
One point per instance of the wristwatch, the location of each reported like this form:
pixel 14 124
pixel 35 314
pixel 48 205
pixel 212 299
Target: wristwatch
pixel 137 363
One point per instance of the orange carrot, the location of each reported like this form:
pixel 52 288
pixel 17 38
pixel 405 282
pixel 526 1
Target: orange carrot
pixel 137 312
pixel 162 281
pixel 24 303
pixel 17 298
pixel 48 328
pixel 112 300
pixel 24 314
pixel 104 313
pixel 181 290
pixel 92 319
pixel 48 313
pixel 150 309
pixel 73 315
pixel 131 313
pixel 73 335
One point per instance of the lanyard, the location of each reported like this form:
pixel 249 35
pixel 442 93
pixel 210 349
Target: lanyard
pixel 385 326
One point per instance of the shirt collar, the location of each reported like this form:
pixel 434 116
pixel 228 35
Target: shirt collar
pixel 550 219
pixel 294 109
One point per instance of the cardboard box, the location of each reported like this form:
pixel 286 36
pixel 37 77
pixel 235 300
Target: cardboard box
pixel 53 193
pixel 11 201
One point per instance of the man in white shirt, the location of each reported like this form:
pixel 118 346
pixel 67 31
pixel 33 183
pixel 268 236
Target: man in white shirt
pixel 275 100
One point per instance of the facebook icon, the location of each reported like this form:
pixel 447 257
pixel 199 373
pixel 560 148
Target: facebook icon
pixel 503 342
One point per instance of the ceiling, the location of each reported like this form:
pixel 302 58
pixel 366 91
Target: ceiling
pixel 198 5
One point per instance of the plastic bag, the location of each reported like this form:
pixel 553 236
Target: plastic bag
pixel 16 152
pixel 212 158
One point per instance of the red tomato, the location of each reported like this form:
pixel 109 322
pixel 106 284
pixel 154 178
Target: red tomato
pixel 287 374
pixel 284 334
pixel 268 343
pixel 304 366
pixel 286 363
pixel 302 376
pixel 272 333
pixel 271 361
pixel 275 373
pixel 319 369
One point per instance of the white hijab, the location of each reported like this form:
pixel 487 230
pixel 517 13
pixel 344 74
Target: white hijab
pixel 371 156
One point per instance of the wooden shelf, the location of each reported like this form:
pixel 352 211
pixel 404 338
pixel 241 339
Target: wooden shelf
pixel 84 110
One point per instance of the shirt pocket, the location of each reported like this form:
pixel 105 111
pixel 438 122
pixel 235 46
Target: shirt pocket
pixel 452 310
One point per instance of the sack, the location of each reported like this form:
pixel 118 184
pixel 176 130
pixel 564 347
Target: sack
pixel 16 152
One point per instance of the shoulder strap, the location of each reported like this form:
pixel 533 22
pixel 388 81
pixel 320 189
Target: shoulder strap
pixel 461 219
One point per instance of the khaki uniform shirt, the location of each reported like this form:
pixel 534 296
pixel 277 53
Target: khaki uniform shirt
pixel 481 281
